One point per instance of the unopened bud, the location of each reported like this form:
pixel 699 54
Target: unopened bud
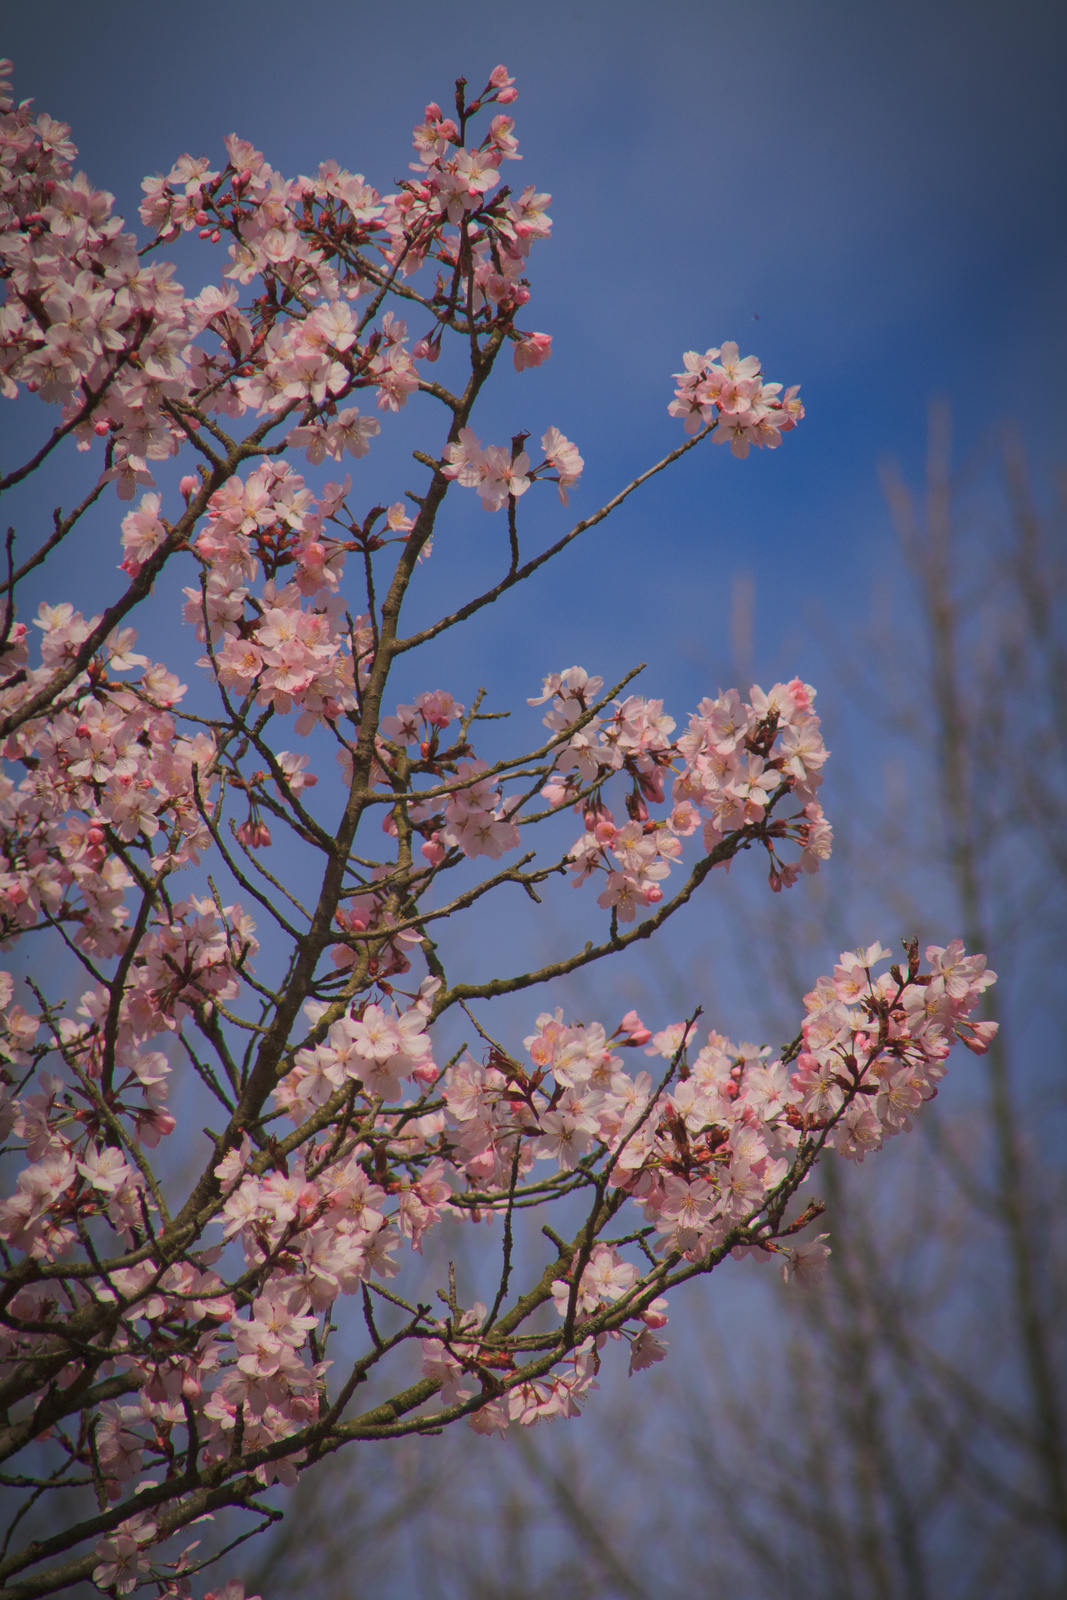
pixel 634 1029
pixel 433 851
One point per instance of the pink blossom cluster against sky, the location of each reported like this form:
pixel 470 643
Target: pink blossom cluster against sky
pixel 869 192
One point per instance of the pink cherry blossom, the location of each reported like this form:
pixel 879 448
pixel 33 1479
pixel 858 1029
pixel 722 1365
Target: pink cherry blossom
pixel 153 830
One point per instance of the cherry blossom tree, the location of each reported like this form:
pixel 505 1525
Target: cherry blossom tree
pixel 175 1346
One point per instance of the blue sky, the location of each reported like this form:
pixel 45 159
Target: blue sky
pixel 869 198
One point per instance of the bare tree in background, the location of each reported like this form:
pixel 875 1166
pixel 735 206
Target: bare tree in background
pixel 938 1468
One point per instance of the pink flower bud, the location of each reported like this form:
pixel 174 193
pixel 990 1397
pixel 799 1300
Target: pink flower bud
pixel 634 1029
pixel 981 1036
pixel 253 834
pixel 434 851
pixel 155 1124
pixel 189 485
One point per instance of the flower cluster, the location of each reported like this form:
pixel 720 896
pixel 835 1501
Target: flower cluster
pixel 106 769
pixel 875 1048
pixel 459 1356
pixel 701 1156
pixel 475 820
pixel 190 958
pixel 500 475
pixel 87 324
pixel 719 390
pixel 373 1049
pixel 90 325
pixel 735 761
pixel 704 1154
pixel 290 645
